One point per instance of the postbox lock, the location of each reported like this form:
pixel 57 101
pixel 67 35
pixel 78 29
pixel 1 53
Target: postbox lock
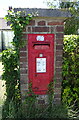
pixel 40 55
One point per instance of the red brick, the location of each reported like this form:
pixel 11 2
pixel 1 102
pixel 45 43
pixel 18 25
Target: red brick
pixel 58 64
pixel 59 29
pixel 23 65
pixel 58 69
pixel 57 90
pixel 59 35
pixel 58 85
pixel 59 79
pixel 52 29
pixel 59 47
pixel 23 77
pixel 59 41
pixel 59 52
pixel 59 58
pixel 23 71
pixel 23 54
pixel 41 23
pixel 23 86
pixel 23 81
pixel 24 59
pixel 40 29
pixel 32 22
pixel 55 23
pixel 58 74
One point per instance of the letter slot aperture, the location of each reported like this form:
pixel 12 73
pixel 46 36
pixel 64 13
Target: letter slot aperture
pixel 41 46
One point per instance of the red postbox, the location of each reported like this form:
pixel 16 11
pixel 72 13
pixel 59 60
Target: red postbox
pixel 40 61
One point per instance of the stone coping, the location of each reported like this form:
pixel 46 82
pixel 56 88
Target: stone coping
pixel 56 13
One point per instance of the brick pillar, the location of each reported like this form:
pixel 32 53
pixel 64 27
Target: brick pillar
pixel 44 26
pixel 58 27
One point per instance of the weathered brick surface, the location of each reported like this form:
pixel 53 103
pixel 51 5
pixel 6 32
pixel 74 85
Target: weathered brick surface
pixel 59 52
pixel 55 23
pixel 41 23
pixel 23 59
pixel 40 29
pixel 59 47
pixel 58 74
pixel 58 70
pixel 23 70
pixel 59 79
pixel 52 29
pixel 59 29
pixel 23 81
pixel 58 58
pixel 23 76
pixel 58 84
pixel 23 65
pixel 59 40
pixel 59 35
pixel 23 54
pixel 24 87
pixel 57 90
pixel 58 64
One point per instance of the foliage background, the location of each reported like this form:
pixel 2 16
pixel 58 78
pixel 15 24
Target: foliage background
pixel 70 91
pixel 71 25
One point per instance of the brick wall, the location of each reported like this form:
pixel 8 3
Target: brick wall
pixel 44 26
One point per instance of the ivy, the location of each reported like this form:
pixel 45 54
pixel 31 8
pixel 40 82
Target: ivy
pixel 10 60
pixel 18 22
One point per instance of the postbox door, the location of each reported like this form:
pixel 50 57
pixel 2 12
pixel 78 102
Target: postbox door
pixel 42 72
